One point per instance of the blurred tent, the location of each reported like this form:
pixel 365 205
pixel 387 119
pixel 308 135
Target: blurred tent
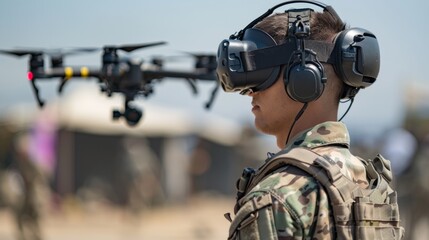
pixel 90 111
pixel 93 151
pixel 87 110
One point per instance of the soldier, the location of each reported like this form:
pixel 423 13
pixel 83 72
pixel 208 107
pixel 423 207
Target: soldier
pixel 297 66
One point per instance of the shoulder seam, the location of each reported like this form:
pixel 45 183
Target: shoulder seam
pixel 283 202
pixel 289 209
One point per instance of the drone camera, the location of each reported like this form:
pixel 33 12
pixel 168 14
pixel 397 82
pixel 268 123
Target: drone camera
pixel 132 115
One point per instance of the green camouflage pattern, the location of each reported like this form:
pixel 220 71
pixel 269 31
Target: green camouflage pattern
pixel 300 206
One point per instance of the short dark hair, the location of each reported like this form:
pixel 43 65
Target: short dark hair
pixel 323 27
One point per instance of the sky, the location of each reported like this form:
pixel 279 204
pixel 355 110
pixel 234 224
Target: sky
pixel 199 26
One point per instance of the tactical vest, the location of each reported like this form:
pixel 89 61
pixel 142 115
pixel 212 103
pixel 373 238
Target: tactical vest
pixel 364 214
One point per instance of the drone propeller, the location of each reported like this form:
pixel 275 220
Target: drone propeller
pixel 20 53
pixel 61 52
pixel 199 54
pixel 132 47
pixel 159 60
pixel 204 60
pixel 56 54
pixel 50 52
pixel 36 62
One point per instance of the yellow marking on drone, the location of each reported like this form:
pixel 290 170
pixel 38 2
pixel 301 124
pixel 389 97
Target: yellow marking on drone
pixel 68 71
pixel 84 71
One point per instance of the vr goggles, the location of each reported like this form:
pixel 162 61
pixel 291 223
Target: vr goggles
pixel 251 60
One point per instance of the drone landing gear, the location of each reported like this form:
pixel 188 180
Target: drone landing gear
pixel 131 114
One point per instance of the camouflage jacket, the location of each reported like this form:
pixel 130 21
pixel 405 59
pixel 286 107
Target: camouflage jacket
pixel 290 203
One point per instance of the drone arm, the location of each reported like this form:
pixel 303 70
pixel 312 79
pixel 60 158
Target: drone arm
pixel 71 72
pixel 153 74
pixel 66 73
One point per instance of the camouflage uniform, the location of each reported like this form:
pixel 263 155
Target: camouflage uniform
pixel 298 205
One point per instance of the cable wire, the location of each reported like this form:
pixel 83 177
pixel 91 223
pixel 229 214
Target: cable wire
pixel 304 107
pixel 351 103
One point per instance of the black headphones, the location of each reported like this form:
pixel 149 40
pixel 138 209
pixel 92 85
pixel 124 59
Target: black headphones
pixel 304 78
pixel 251 60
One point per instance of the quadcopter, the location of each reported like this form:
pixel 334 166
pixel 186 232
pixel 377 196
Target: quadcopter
pixel 117 74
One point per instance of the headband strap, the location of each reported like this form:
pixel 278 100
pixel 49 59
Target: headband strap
pixel 280 54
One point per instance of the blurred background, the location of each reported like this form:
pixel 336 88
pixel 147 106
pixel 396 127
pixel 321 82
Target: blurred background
pixel 68 171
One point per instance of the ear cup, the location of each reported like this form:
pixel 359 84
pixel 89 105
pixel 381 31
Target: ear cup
pixel 357 60
pixel 304 83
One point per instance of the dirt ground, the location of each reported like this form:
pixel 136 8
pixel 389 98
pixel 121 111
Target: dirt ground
pixel 199 218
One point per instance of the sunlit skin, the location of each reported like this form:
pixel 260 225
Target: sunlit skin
pixel 275 112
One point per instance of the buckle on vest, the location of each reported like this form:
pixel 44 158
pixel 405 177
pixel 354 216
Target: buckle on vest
pixel 243 181
pixel 382 166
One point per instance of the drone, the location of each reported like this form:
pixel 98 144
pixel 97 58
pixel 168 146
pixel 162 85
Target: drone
pixel 117 74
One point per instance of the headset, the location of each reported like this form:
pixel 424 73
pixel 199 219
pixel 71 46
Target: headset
pixel 251 60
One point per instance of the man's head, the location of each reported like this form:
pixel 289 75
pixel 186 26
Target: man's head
pixel 323 27
pixel 297 65
pixel 250 60
pixel 274 110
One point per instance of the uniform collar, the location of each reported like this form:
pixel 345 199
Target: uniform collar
pixel 323 134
